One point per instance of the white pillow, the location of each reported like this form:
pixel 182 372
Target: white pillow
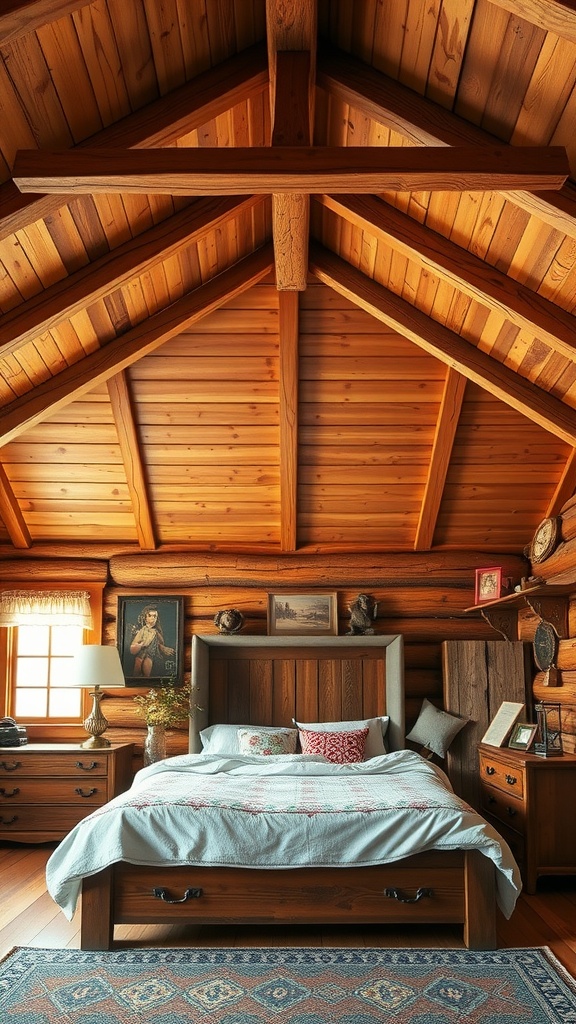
pixel 223 738
pixel 435 729
pixel 376 730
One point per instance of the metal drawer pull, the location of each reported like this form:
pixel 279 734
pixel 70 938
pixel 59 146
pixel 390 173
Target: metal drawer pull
pixel 8 821
pixel 511 812
pixel 87 767
pixel 89 793
pixel 397 894
pixel 490 770
pixel 190 894
pixel 13 792
pixel 10 767
pixel 511 780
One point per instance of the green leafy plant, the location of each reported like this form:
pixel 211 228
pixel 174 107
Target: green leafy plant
pixel 166 705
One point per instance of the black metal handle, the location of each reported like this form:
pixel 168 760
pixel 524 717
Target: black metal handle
pixel 490 770
pixel 511 812
pixel 511 780
pixel 89 793
pixel 10 767
pixel 8 821
pixel 12 792
pixel 87 767
pixel 190 894
pixel 397 894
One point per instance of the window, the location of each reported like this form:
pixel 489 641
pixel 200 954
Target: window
pixel 43 681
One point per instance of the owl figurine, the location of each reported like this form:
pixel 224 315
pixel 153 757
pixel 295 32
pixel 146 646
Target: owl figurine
pixel 229 620
pixel 362 614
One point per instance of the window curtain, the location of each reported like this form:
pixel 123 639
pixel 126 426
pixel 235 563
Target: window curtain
pixel 45 608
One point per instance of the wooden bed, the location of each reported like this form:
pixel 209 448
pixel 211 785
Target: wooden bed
pixel 268 681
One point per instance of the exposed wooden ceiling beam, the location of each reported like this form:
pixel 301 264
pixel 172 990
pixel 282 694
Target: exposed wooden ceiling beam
pixel 564 488
pixel 466 272
pixel 292 25
pixel 446 426
pixel 68 296
pixel 447 346
pixel 121 402
pixel 97 368
pixel 557 16
pixel 18 17
pixel 247 170
pixel 425 123
pixel 160 123
pixel 11 514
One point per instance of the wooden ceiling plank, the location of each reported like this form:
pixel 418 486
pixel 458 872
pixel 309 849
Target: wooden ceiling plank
pixel 290 169
pixel 289 331
pixel 425 123
pixel 11 514
pixel 19 17
pixel 72 294
pixel 557 16
pixel 98 367
pixel 160 123
pixel 292 125
pixel 450 407
pixel 450 348
pixel 466 272
pixel 565 487
pixel 121 402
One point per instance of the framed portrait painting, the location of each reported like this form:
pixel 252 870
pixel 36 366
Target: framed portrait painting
pixel 292 614
pixel 150 640
pixel 488 584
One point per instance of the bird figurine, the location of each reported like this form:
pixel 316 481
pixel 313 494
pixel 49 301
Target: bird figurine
pixel 362 614
pixel 229 620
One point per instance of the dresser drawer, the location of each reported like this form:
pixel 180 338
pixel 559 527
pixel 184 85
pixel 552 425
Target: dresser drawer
pixel 504 806
pixel 516 841
pixel 77 765
pixel 53 791
pixel 55 818
pixel 502 776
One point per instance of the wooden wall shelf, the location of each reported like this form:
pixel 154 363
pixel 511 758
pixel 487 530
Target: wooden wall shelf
pixel 547 601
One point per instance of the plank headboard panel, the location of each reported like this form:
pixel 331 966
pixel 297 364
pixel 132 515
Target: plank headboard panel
pixel 269 680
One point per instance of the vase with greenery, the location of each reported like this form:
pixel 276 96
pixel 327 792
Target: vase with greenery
pixel 162 707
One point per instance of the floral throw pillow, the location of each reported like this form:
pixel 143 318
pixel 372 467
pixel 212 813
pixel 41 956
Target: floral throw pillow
pixel 339 747
pixel 256 741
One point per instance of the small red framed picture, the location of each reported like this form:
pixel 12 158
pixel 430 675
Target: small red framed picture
pixel 488 584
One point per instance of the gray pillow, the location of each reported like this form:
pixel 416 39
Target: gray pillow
pixel 435 729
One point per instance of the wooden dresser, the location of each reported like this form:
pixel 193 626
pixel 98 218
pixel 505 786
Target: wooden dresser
pixel 530 801
pixel 46 788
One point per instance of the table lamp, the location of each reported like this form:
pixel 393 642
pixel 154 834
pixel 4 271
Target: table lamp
pixel 94 666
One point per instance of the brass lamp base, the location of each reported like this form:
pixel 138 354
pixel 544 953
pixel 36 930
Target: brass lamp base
pixel 95 724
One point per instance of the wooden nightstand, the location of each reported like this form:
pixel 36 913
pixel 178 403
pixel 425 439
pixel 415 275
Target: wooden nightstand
pixel 47 788
pixel 530 801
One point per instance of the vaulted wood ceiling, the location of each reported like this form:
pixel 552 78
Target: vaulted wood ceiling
pixel 286 275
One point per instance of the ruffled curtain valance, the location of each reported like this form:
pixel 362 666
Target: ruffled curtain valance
pixel 45 608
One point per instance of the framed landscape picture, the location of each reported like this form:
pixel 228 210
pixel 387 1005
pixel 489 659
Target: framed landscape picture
pixel 150 640
pixel 292 614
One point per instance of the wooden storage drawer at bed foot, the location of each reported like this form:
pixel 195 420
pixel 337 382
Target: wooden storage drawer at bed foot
pixel 35 818
pixel 502 776
pixel 216 896
pixel 504 807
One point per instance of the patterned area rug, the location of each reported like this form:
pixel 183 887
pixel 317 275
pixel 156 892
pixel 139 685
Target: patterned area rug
pixel 299 985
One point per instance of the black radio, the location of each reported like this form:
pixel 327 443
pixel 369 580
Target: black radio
pixel 12 735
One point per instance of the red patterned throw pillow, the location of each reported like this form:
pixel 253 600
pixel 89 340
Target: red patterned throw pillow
pixel 340 747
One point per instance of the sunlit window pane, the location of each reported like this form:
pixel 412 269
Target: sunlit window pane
pixel 33 639
pixel 32 672
pixel 66 639
pixel 64 703
pixel 61 672
pixel 31 703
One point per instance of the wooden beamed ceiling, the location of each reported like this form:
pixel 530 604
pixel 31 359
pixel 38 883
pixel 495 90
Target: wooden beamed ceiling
pixel 140 154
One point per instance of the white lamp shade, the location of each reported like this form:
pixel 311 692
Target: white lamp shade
pixel 96 665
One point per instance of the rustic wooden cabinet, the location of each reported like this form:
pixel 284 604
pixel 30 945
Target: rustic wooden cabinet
pixel 47 788
pixel 529 800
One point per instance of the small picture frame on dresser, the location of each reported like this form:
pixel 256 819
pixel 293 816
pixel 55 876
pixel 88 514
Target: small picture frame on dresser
pixel 522 736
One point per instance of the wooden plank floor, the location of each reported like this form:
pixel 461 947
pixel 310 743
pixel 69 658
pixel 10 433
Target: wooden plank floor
pixel 29 917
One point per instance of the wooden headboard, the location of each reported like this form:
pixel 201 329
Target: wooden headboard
pixel 269 680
